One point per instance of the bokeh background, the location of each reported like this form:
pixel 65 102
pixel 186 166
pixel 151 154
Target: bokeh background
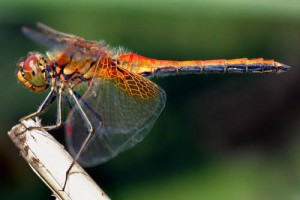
pixel 220 137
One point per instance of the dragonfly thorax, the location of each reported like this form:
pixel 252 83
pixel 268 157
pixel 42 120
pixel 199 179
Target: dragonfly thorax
pixel 32 72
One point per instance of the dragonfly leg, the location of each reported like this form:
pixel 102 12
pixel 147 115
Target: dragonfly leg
pixel 48 100
pixel 97 115
pixel 58 118
pixel 87 139
pixel 42 108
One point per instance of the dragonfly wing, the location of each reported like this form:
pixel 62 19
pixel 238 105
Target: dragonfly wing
pixel 49 37
pixel 66 43
pixel 126 105
pixel 57 34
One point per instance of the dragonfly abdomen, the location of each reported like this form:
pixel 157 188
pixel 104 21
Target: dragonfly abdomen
pixel 149 67
pixel 243 65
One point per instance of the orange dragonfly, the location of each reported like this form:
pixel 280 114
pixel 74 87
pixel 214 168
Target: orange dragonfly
pixel 113 104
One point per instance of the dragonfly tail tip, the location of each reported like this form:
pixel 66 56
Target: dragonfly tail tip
pixel 285 68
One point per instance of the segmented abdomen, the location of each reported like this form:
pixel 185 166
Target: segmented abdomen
pixel 150 67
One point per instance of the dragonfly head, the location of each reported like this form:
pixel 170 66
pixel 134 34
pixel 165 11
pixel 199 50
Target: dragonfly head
pixel 32 72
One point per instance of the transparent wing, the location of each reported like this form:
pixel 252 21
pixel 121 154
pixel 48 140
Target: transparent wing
pixel 50 37
pixel 66 43
pixel 122 110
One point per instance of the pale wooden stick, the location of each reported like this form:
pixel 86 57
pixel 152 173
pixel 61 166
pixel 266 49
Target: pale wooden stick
pixel 50 161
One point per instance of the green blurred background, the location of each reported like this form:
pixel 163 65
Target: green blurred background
pixel 220 136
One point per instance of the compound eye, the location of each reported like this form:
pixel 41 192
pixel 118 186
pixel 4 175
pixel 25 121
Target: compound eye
pixel 31 64
pixel 33 70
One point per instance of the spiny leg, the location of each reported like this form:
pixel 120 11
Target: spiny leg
pixel 58 118
pixel 48 101
pixel 96 114
pixel 87 139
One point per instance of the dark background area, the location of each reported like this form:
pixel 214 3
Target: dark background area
pixel 232 136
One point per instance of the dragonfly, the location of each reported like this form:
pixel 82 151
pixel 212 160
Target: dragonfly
pixel 112 102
